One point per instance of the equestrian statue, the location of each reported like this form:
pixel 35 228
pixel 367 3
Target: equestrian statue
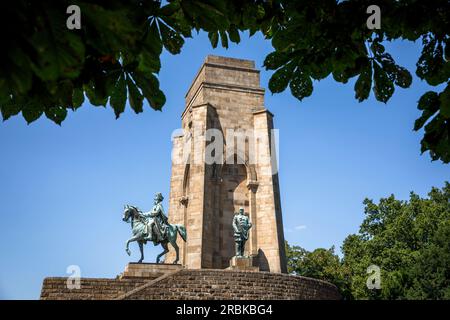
pixel 153 226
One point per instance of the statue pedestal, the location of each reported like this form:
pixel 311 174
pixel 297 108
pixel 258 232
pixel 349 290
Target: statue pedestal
pixel 242 264
pixel 148 270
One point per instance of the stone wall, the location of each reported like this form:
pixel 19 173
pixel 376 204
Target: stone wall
pixel 197 284
pixel 55 288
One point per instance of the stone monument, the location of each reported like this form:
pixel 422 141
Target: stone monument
pixel 228 201
pixel 226 98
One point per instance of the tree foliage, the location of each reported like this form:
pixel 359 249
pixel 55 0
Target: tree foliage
pixel 321 264
pixel 316 39
pixel 408 240
pixel 47 69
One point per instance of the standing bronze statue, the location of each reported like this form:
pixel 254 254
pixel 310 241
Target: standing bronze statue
pixel 153 226
pixel 241 227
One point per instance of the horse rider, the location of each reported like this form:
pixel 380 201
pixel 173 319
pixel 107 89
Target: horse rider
pixel 157 222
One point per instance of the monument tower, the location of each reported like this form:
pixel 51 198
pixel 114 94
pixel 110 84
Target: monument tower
pixel 225 102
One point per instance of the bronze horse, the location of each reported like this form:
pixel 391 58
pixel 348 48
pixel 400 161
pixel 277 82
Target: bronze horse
pixel 139 224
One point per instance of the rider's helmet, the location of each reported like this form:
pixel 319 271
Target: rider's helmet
pixel 159 197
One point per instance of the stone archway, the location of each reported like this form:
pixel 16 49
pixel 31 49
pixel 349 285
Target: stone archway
pixel 233 195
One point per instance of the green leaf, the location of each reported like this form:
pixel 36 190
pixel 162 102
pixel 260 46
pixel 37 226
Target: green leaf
pixel 152 41
pixel 396 74
pixel 403 77
pixel 377 48
pixel 431 65
pixel 213 38
pixel 95 93
pixel 171 39
pixel 346 64
pixel 31 112
pixel 110 30
pixel 444 98
pixel 260 11
pixel 233 32
pixel 383 88
pixel 20 76
pixel 169 9
pixel 249 19
pixel 9 109
pixel 284 39
pixel 420 122
pixel 148 63
pixel 280 79
pixel 437 139
pixel 301 85
pixel 149 85
pixel 60 52
pixel 275 59
pixel 364 83
pixel 135 96
pixel 224 39
pixel 447 49
pixel 119 96
pixel 429 103
pixel 64 93
pixel 77 98
pixel 209 16
pixel 56 114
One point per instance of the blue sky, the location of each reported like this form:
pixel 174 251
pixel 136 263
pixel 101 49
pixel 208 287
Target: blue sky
pixel 62 189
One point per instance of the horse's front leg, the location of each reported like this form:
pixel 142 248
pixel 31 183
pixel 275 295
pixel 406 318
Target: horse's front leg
pixel 166 249
pixel 134 238
pixel 141 248
pixel 177 252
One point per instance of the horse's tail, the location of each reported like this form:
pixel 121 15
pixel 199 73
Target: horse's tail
pixel 182 231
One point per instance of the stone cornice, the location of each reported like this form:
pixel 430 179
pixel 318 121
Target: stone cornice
pixel 263 111
pixel 207 104
pixel 222 66
pixel 224 86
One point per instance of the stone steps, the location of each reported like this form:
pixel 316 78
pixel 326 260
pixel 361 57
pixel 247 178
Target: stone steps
pixel 145 282
pixel 228 284
pixel 55 288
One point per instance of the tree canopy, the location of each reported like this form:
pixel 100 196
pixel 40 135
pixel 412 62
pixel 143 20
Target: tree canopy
pixel 46 68
pixel 321 264
pixel 408 240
